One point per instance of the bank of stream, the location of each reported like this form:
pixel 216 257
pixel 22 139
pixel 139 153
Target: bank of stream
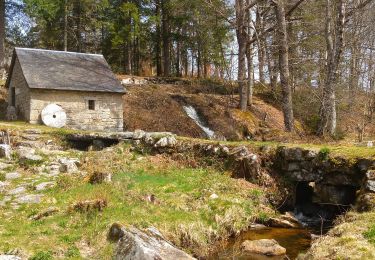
pixel 295 241
pixel 316 187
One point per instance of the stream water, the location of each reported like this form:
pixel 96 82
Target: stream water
pixel 192 113
pixel 295 241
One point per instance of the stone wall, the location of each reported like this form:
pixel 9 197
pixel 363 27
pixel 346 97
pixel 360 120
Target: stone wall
pixel 108 113
pixel 334 179
pixel 22 92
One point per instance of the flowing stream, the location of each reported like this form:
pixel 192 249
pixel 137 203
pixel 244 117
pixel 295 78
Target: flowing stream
pixel 295 241
pixel 192 113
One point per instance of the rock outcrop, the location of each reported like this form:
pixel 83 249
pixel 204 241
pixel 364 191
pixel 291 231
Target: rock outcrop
pixel 134 244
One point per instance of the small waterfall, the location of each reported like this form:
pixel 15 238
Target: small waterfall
pixel 192 113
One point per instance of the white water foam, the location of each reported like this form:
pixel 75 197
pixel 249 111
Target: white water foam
pixel 192 113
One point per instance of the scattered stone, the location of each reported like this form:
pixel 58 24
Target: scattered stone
pixel 30 199
pixel 30 137
pixel 268 247
pixel 370 186
pixel 69 165
pixel 151 198
pixel 12 175
pixel 3 185
pixel 285 221
pixel 18 190
pixel 45 185
pixel 138 134
pixel 100 177
pixel 28 154
pixel 10 257
pixel 214 196
pixel 5 151
pixel 148 139
pixel 33 131
pixel 257 226
pixel 45 213
pixel 4 166
pixel 167 141
pixel 150 244
pixel 31 144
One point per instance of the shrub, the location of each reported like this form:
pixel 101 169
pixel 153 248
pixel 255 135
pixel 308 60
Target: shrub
pixel 42 255
pixel 370 234
pixel 72 251
pixel 324 153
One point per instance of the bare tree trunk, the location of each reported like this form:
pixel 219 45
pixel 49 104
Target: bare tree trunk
pixel 249 57
pixel 242 42
pixel 261 53
pixel 159 71
pixel 166 37
pixel 284 66
pixel 272 65
pixel 78 23
pixel 2 33
pixel 250 75
pixel 328 116
pixel 66 25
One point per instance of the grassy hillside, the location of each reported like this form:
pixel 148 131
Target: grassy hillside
pixel 182 209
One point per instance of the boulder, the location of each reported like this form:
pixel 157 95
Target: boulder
pixel 3 166
pixel 3 186
pixel 28 154
pixel 138 134
pixel 10 257
pixel 33 131
pixel 285 221
pixel 45 185
pixel 12 175
pixel 150 244
pixel 167 141
pixel 268 247
pixel 69 165
pixel 30 199
pixel 18 190
pixel 290 154
pixel 5 151
pixel 370 185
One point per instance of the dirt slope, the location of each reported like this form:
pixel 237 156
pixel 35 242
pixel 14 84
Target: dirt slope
pixel 159 107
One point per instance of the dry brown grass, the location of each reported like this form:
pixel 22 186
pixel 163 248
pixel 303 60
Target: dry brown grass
pixel 159 108
pixel 346 240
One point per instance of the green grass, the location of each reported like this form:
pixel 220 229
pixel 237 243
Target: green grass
pixel 346 150
pixel 183 211
pixel 370 234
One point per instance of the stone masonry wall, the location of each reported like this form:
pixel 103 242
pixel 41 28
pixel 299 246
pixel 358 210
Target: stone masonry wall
pixel 22 92
pixel 108 113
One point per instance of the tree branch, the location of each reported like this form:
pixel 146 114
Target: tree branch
pixel 289 13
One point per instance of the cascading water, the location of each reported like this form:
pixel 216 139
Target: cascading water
pixel 192 113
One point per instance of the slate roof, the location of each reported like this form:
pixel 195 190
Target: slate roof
pixel 59 70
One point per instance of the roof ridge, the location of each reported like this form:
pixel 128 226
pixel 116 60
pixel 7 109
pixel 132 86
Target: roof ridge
pixel 55 51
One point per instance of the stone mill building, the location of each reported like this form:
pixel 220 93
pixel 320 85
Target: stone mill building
pixel 83 85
